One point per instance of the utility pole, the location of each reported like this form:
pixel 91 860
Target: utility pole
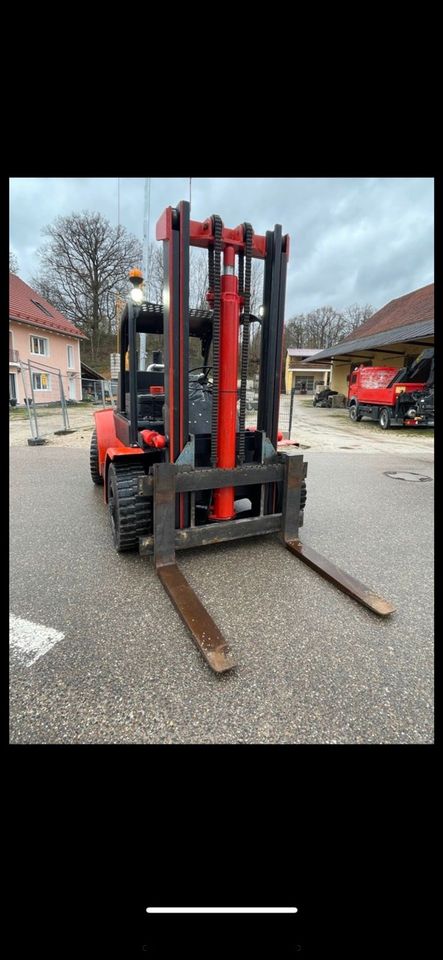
pixel 146 218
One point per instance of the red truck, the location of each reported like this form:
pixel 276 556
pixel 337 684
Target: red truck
pixel 395 397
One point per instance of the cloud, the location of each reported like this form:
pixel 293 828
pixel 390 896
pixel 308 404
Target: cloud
pixel 362 240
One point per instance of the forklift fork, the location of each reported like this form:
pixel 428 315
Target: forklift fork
pixel 347 584
pixel 166 539
pixel 204 631
pixel 290 523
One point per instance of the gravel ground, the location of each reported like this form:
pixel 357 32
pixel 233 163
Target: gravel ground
pixel 50 419
pixel 314 428
pixel 313 666
pixel 320 428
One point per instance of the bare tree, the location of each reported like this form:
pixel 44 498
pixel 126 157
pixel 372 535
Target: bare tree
pixel 255 304
pixel 13 263
pixel 198 278
pixel 355 315
pixel 296 331
pixel 325 326
pixel 198 288
pixel 154 279
pixel 84 264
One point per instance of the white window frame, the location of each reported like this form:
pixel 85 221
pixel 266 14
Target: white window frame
pixel 44 340
pixel 70 347
pixel 41 373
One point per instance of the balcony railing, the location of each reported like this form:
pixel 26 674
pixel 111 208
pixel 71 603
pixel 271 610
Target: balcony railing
pixel 13 356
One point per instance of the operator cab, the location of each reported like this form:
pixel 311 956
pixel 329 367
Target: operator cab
pixel 149 385
pixel 150 394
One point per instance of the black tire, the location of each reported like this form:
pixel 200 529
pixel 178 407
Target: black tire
pixel 384 418
pixel 303 497
pixel 130 514
pixel 354 414
pixel 93 460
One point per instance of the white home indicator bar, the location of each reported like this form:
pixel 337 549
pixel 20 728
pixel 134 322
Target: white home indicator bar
pixel 221 909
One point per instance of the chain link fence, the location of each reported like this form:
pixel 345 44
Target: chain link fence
pixel 51 403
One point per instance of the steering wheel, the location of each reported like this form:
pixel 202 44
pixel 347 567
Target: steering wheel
pixel 206 369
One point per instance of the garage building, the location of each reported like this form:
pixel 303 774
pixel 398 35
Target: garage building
pixel 392 337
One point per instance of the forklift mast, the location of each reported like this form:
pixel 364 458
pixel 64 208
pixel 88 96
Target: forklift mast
pixel 229 298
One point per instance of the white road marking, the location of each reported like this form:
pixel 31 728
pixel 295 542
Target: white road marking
pixel 222 909
pixel 29 641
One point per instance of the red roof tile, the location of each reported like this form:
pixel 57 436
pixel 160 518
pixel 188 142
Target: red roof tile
pixel 411 308
pixel 22 308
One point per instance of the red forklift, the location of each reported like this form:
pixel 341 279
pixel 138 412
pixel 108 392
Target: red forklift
pixel 179 466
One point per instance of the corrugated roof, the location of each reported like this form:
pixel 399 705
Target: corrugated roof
pixel 22 306
pixel 414 307
pixel 412 331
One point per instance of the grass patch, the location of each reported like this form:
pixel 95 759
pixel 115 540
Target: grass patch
pixel 17 413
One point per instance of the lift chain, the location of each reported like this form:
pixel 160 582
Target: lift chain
pixel 217 224
pixel 246 293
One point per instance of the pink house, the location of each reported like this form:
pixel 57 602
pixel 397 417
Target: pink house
pixel 39 334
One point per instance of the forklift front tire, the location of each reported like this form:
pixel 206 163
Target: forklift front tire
pixel 93 460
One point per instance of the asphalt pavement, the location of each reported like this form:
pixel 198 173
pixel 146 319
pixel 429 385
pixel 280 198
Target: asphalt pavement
pixel 313 666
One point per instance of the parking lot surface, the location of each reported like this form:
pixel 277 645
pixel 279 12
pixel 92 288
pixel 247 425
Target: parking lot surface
pixel 321 428
pixel 116 664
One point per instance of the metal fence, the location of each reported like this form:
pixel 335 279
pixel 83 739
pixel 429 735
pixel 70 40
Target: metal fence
pixel 285 417
pixel 48 407
pixel 50 403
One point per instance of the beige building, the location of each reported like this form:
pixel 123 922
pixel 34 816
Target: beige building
pixel 298 372
pixel 390 338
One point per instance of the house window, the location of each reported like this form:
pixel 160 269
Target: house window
pixel 40 345
pixel 41 381
pixel 70 358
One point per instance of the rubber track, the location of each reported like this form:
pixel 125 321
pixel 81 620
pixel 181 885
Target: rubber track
pixel 135 512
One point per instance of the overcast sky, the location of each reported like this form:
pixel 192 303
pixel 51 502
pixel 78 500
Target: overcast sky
pixel 353 240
